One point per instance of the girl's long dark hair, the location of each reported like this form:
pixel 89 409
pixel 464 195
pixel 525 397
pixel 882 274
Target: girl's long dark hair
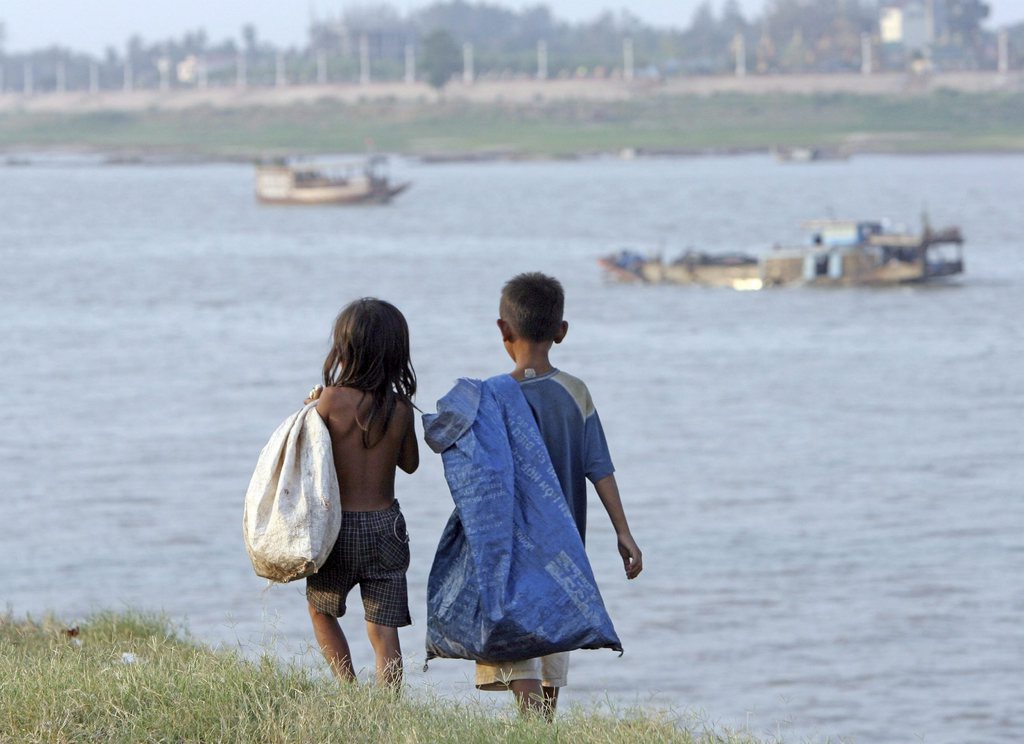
pixel 370 352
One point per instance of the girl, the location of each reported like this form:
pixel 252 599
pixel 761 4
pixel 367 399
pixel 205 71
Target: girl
pixel 366 402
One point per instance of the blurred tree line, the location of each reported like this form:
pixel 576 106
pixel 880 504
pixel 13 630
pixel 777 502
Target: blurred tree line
pixel 787 36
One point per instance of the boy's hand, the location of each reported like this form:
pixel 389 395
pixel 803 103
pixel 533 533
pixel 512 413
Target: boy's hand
pixel 314 394
pixel 632 558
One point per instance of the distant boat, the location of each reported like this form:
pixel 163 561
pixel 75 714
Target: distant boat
pixel 842 253
pixel 808 154
pixel 348 182
pixel 729 270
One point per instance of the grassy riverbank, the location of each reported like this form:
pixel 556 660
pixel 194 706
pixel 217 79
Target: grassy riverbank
pixel 943 121
pixel 126 678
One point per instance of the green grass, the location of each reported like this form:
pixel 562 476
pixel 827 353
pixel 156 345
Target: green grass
pixel 940 122
pixel 55 688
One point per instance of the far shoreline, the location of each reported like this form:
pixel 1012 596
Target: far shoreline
pixel 840 115
pixel 66 155
pixel 835 116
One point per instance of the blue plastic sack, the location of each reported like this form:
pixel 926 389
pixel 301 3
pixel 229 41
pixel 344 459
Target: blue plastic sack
pixel 510 579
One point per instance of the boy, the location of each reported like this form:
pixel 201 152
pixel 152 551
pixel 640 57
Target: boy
pixel 530 322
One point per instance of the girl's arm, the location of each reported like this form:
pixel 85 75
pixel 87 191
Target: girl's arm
pixel 409 453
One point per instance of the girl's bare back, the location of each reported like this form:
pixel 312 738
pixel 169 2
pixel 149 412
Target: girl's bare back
pixel 366 476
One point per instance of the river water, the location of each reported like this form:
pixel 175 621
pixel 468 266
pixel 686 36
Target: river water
pixel 827 485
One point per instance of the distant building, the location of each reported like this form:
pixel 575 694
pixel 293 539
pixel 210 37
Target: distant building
pixel 940 31
pixel 915 30
pixel 385 41
pixel 187 71
pixel 911 24
pixel 890 24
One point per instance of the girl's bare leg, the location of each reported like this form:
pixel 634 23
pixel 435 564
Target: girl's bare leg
pixel 388 651
pixel 333 644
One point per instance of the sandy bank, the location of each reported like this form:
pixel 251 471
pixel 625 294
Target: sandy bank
pixel 509 91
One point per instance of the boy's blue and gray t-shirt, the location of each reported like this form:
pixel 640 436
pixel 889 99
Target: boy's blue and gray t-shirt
pixel 572 431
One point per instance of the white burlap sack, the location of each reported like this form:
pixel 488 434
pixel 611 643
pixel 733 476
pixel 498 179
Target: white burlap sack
pixel 293 506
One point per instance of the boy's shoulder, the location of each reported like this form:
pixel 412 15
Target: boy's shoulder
pixel 573 386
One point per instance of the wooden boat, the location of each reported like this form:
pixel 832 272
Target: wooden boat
pixel 733 271
pixel 355 182
pixel 841 253
pixel 808 154
pixel 848 252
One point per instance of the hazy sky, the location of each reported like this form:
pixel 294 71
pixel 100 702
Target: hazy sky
pixel 92 25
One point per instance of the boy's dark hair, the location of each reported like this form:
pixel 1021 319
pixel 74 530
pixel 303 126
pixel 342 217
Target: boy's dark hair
pixel 532 304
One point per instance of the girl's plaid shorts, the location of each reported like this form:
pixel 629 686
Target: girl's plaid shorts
pixel 372 551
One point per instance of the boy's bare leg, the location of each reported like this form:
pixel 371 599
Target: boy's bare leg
pixel 529 696
pixel 388 650
pixel 550 701
pixel 333 644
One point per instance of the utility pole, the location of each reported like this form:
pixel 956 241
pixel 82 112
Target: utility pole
pixel 865 54
pixel 467 63
pixel 410 64
pixel 364 59
pixel 62 76
pixel 129 82
pixel 740 46
pixel 163 66
pixel 279 80
pixel 321 67
pixel 627 59
pixel 241 73
pixel 542 60
pixel 94 77
pixel 202 77
pixel 1004 51
pixel 27 84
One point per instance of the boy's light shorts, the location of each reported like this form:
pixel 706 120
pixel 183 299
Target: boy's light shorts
pixel 552 671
